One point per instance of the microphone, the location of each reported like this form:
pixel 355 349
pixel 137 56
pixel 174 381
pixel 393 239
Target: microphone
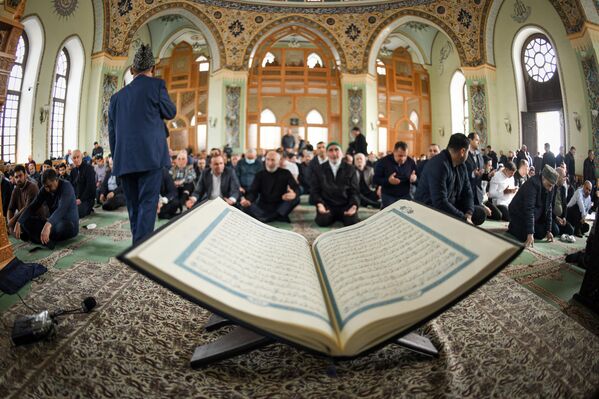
pixel 86 306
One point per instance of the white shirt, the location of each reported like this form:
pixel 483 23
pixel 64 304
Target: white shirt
pixel 292 167
pixel 498 184
pixel 584 204
pixel 335 168
pixel 322 160
pixel 215 187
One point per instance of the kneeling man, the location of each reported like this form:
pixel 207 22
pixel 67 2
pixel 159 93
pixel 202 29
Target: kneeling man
pixel 273 193
pixel 335 189
pixel 63 222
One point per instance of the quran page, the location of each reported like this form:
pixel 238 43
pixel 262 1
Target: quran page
pixel 253 272
pixel 400 266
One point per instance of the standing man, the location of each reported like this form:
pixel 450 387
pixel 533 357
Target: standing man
pixel 138 141
pixel 83 179
pixel 548 157
pixel 571 166
pixel 475 164
pixel 359 145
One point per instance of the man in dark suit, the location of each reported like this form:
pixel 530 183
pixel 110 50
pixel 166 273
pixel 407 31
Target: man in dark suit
pixel 138 140
pixel 335 190
pixel 83 179
pixel 359 145
pixel 571 166
pixel 218 181
pixel 475 165
pixel 548 157
pixel 560 224
pixel 444 185
pixel 273 193
pixel 531 208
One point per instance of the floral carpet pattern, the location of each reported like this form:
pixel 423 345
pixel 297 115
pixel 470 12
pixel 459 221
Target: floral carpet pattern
pixel 518 336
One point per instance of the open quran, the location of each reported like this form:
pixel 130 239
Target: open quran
pixel 353 289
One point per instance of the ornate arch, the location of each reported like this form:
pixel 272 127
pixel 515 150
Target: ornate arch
pixel 212 34
pixel 314 27
pixel 428 17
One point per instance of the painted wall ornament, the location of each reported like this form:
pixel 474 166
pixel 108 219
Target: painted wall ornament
pixel 444 53
pixel 65 8
pixel 233 116
pixel 521 11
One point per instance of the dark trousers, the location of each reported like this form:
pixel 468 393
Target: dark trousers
pixel 498 212
pixel 85 208
pixel 168 211
pixel 115 202
pixel 389 199
pixel 335 214
pixel 573 216
pixel 558 230
pixel 141 191
pixel 269 213
pixel 31 230
pixel 518 230
pixel 370 199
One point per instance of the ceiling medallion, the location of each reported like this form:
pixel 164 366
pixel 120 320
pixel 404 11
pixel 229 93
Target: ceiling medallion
pixel 331 21
pixel 65 8
pixel 259 19
pixel 371 19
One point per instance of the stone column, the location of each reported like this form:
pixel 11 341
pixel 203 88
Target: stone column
pixel 480 81
pixel 359 108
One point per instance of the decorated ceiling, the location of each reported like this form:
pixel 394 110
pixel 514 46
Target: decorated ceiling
pixel 238 25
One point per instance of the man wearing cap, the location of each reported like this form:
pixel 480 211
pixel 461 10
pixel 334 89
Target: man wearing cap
pixel 137 138
pixel 531 212
pixel 395 173
pixel 335 189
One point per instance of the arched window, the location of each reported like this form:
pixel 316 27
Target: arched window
pixel 269 58
pixel 204 63
pixel 414 120
pixel 270 136
pixel 314 61
pixel 10 112
pixel 317 131
pixel 459 104
pixel 380 67
pixel 59 95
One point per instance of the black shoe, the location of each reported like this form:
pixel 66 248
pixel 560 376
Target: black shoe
pixel 51 245
pixel 284 219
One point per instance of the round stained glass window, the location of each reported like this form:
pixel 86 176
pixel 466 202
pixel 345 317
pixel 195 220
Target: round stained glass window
pixel 540 59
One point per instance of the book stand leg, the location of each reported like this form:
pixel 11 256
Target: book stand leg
pixel 241 340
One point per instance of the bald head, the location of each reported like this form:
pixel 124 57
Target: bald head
pixel 561 175
pixel 587 187
pixel 272 161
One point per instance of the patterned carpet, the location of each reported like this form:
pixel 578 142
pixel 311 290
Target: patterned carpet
pixel 502 341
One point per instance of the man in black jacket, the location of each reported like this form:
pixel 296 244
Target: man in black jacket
pixel 531 208
pixel 571 166
pixel 559 206
pixel 444 184
pixel 335 190
pixel 83 178
pixel 217 181
pixel 273 193
pixel 359 145
pixel 112 195
pixel 395 173
pixel 548 157
pixel 475 165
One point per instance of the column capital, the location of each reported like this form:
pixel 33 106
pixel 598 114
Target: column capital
pixel 230 75
pixel 358 79
pixel 482 72
pixel 585 39
pixel 109 61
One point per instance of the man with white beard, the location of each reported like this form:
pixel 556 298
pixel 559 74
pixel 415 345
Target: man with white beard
pixel 273 193
pixel 335 190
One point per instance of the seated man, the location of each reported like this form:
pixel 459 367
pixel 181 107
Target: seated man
pixel 578 208
pixel 62 171
pixel 112 195
pixel 521 174
pixel 34 174
pixel 247 168
pixel 168 200
pixel 22 195
pixel 305 172
pixel 560 224
pixel 531 208
pixel 46 165
pixel 273 194
pixel 215 182
pixel 184 176
pixel 83 179
pixel 368 193
pixel 394 173
pixel 445 185
pixel 63 222
pixel 335 189
pixel 501 192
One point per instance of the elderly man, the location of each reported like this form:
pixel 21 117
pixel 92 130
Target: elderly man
pixel 335 190
pixel 215 182
pixel 560 224
pixel 33 174
pixel 531 208
pixel 395 173
pixel 274 192
pixel 579 207
pixel 445 184
pixel 63 223
pixel 368 192
pixel 83 179
pixel 246 170
pixel 23 194
pixel 112 196
pixel 137 136
pixel 184 176
pixel 501 192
